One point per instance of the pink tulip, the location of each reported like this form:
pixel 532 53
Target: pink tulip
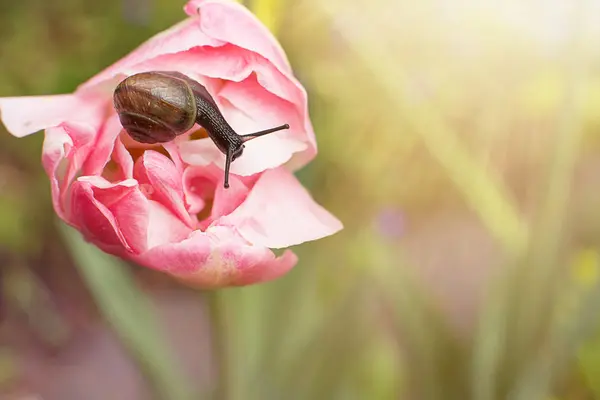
pixel 164 206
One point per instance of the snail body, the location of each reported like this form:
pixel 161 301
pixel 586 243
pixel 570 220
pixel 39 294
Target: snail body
pixel 156 107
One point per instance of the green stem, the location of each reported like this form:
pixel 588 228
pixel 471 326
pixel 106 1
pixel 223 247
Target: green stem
pixel 221 340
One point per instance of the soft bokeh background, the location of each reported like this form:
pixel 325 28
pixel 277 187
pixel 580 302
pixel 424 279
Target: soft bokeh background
pixel 459 144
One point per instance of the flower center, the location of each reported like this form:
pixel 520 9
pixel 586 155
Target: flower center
pixel 137 152
pixel 201 194
pixel 199 133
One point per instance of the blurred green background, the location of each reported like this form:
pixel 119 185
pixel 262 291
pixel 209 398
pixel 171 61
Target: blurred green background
pixel 458 143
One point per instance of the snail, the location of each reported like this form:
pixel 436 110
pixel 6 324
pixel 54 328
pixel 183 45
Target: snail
pixel 158 106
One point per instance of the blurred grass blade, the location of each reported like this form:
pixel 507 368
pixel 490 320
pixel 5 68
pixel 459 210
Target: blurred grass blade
pixel 538 337
pixel 28 294
pixel 235 315
pixel 330 351
pixel 434 354
pixel 489 342
pixel 485 194
pixel 130 313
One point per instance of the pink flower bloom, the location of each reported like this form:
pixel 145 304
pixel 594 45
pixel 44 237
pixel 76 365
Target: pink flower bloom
pixel 164 206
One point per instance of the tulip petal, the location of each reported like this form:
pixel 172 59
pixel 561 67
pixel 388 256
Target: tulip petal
pixel 263 154
pixel 163 226
pixel 173 151
pixel 203 185
pixel 56 148
pixel 199 186
pixel 29 114
pixel 111 210
pixel 65 150
pixel 218 258
pixel 250 109
pixel 201 152
pixel 103 146
pixel 229 63
pixel 160 175
pixel 279 213
pixel 227 200
pixel 185 255
pixel 94 219
pixel 118 216
pixel 230 22
pixel 123 159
